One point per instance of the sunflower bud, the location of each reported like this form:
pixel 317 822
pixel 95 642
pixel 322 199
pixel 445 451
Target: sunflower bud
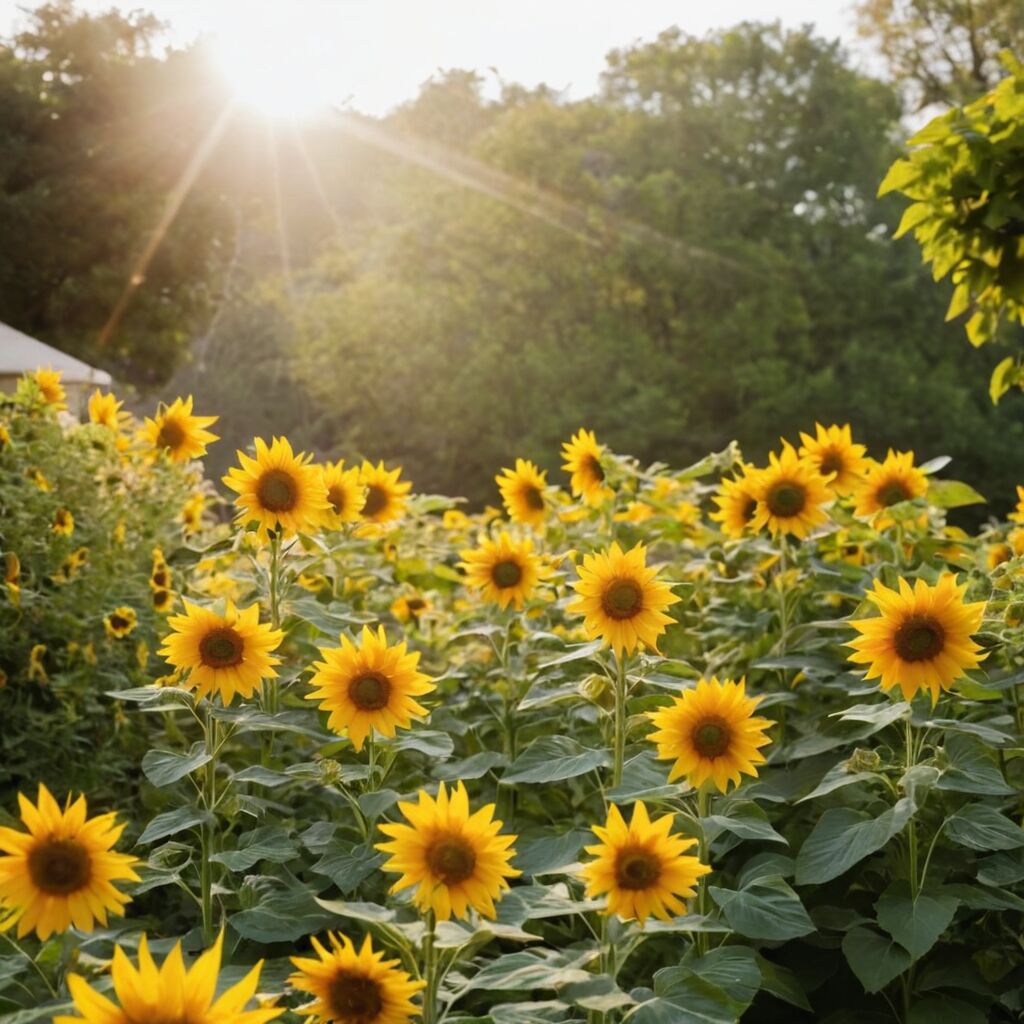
pixel 863 761
pixel 597 690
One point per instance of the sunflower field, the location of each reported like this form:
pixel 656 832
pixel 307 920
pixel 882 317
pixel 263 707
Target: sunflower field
pixel 640 744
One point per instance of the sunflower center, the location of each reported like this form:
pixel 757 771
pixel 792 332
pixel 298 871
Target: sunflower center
pixel 369 692
pixel 451 859
pixel 622 599
pixel 118 622
pixel 60 866
pixel 354 998
pixel 749 509
pixel 172 435
pixel 159 578
pixel 832 462
pixel 892 493
pixel 376 501
pixel 786 499
pixel 593 467
pixel 336 496
pixel 533 498
pixel 277 491
pixel 636 868
pixel 919 638
pixel 506 574
pixel 416 604
pixel 221 648
pixel 711 737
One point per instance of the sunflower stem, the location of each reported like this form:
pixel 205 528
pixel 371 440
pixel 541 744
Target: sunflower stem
pixel 371 764
pixel 703 805
pixel 430 971
pixel 35 966
pixel 619 739
pixel 209 831
pixel 270 692
pixel 911 830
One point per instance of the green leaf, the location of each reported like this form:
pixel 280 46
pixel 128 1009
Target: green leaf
pixel 952 494
pixel 836 778
pixel 473 767
pixel 164 767
pixel 899 175
pixel 945 1010
pixel 552 759
pixel 270 843
pixel 766 909
pixel 425 741
pixel 972 768
pixel 574 654
pixel 532 969
pixel 550 854
pixel 915 923
pixel 347 865
pixel 1000 381
pixel 745 820
pixel 874 958
pixel 980 827
pixel 283 916
pixel 782 983
pixel 644 778
pixel 171 823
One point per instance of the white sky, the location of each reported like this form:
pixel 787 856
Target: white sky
pixel 376 53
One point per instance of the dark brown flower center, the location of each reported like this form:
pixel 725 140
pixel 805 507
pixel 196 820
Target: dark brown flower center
pixel 533 498
pixel 415 605
pixel 451 859
pixel 593 467
pixel 636 868
pixel 161 598
pixel 711 737
pixel 118 622
pixel 60 866
pixel 353 998
pixel 159 578
pixel 506 574
pixel 221 648
pixel 336 496
pixel 786 498
pixel 749 509
pixel 172 435
pixel 369 692
pixel 622 599
pixel 919 638
pixel 832 462
pixel 892 493
pixel 376 501
pixel 277 491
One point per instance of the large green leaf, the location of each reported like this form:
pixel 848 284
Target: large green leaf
pixel 766 909
pixel 981 827
pixel 745 820
pixel 548 854
pixel 164 767
pixel 874 958
pixel 171 822
pixel 972 768
pixel 552 759
pixel 916 923
pixel 271 843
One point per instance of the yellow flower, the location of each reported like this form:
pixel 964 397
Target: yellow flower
pixel 5 437
pixel 455 519
pixel 1015 538
pixel 63 522
pixel 1017 515
pixel 790 493
pixel 408 607
pixel 160 574
pixel 229 653
pixel 456 860
pixel 888 483
pixel 643 869
pixel 620 599
pixel 36 668
pixel 834 454
pixel 105 410
pixel 192 513
pixel 345 493
pixel 352 987
pixel 35 474
pixel 635 512
pixel 120 622
pixel 504 570
pixel 369 687
pixel 48 382
pixel 169 994
pixel 163 601
pixel 61 871
pixel 12 567
pixel 711 733
pixel 385 495
pixel 522 491
pixel 582 457
pixel 278 490
pixel 996 554
pixel 120 532
pixel 176 431
pixel 922 638
pixel 737 502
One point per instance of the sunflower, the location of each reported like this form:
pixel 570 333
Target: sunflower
pixel 37 664
pixel 163 600
pixel 369 687
pixel 50 387
pixel 522 491
pixel 192 513
pixel 278 490
pixel 229 653
pixel 888 483
pixel 385 495
pixel 344 493
pixel 457 860
pixel 620 599
pixel 409 607
pixel 711 732
pixel 105 410
pixel 922 639
pixel 61 871
pixel 160 574
pixel 5 436
pixel 996 554
pixel 1017 515
pixel 790 492
pixel 504 570
pixel 120 622
pixel 582 456
pixel 834 454
pixel 353 987
pixel 737 502
pixel 643 869
pixel 176 431
pixel 63 522
pixel 169 993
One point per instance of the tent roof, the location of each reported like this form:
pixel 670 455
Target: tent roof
pixel 20 354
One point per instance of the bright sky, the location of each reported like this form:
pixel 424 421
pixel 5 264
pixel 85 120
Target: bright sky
pixel 375 53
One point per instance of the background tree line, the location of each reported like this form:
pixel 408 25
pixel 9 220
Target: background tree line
pixel 695 253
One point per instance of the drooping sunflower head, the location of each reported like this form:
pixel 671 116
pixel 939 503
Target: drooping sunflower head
pixel 711 733
pixel 63 522
pixel 120 622
pixel 229 653
pixel 278 490
pixel 834 454
pixel 61 872
pixel 621 600
pixel 888 483
pixel 369 686
pixel 345 493
pixel 642 868
pixel 355 987
pixel 790 494
pixel 505 570
pixel 385 494
pixel 105 410
pixel 169 994
pixel 582 456
pixel 50 387
pixel 177 432
pixel 522 491
pixel 922 638
pixel 455 859
pixel 737 502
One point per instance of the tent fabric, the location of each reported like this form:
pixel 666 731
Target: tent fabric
pixel 20 354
